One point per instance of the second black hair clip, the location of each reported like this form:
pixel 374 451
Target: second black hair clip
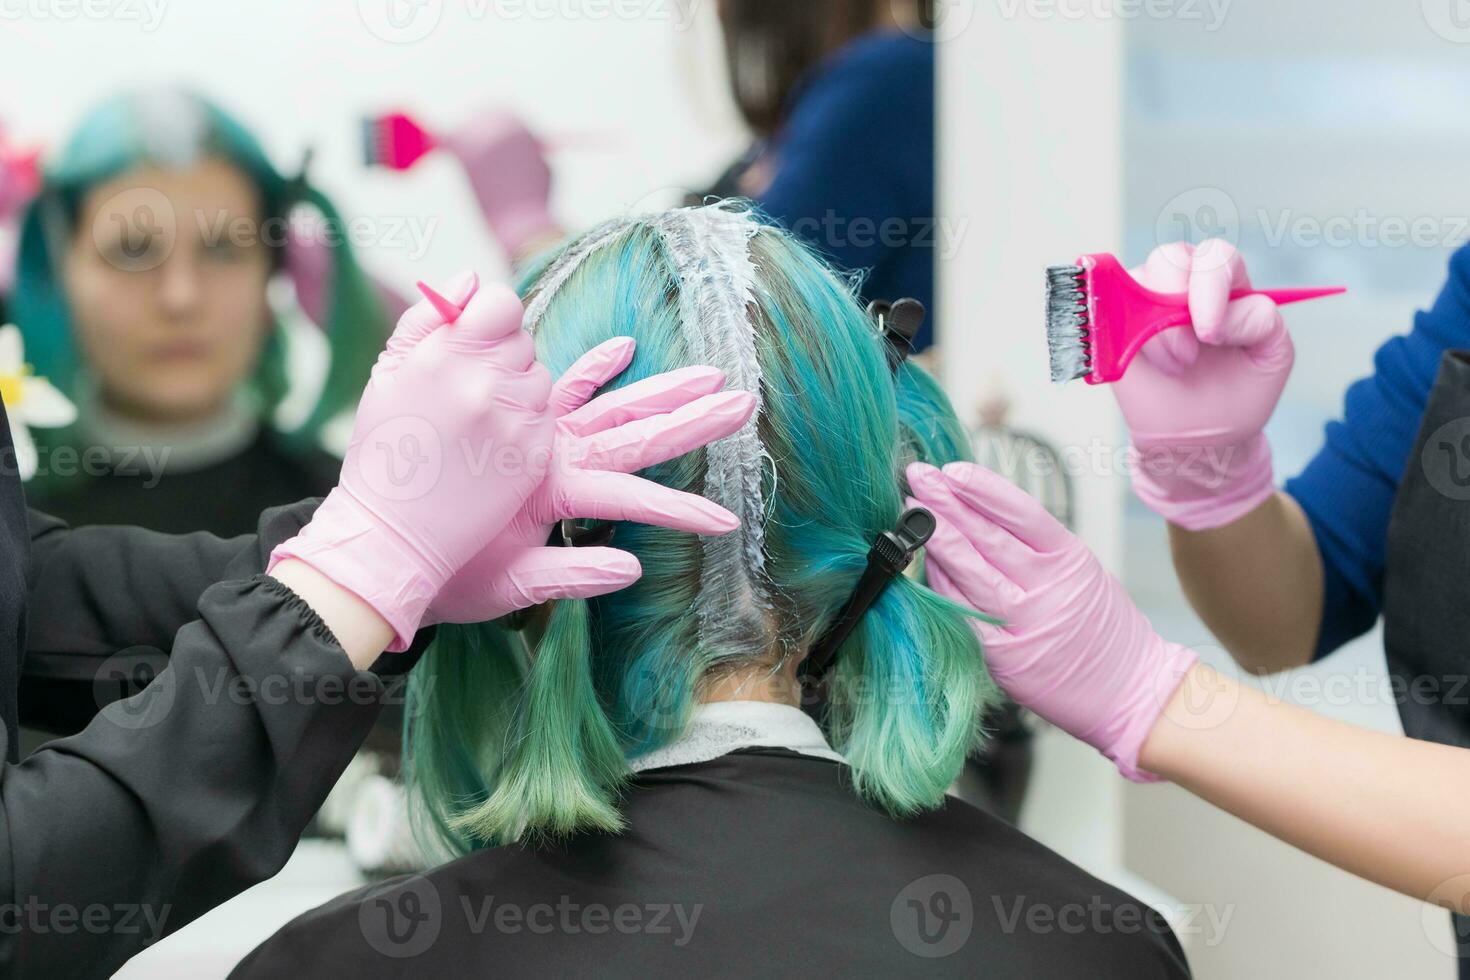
pixel 898 323
pixel 892 552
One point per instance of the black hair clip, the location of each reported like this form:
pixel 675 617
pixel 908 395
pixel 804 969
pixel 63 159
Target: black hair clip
pixel 564 534
pixel 568 535
pixel 890 555
pixel 899 323
pixel 296 186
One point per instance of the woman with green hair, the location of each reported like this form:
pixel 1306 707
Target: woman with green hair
pixel 142 292
pixel 629 784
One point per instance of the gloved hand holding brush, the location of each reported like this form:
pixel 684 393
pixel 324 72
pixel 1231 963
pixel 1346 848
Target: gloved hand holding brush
pixel 1198 398
pixel 504 161
pixel 507 168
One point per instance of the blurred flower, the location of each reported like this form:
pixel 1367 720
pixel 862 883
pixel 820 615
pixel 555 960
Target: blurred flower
pixel 30 402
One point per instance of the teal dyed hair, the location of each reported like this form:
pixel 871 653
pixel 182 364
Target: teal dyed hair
pixel 511 736
pixel 128 132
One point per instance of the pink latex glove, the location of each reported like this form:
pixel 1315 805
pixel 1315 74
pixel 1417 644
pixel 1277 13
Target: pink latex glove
pixel 507 169
pixel 598 446
pixel 1072 646
pixel 1198 399
pixel 451 438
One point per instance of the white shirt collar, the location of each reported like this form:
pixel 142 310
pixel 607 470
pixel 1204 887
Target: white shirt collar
pixel 172 449
pixel 722 727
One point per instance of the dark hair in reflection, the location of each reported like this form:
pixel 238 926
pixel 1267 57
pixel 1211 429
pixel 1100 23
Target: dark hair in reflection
pixel 772 44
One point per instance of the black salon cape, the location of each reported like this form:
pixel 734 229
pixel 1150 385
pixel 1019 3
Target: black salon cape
pixel 175 800
pixel 760 863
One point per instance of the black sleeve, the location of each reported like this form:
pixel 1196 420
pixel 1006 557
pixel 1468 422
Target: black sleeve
pixel 74 600
pixel 105 602
pixel 174 800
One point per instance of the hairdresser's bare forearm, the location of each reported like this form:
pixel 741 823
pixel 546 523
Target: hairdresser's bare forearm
pixel 1256 583
pixel 364 634
pixel 1380 806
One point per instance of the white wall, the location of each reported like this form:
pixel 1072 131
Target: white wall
pixel 1035 181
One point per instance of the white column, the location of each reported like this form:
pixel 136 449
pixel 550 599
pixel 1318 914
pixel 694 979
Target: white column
pixel 1031 176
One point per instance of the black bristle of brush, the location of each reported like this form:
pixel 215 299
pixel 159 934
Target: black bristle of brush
pixel 1067 326
pixel 371 154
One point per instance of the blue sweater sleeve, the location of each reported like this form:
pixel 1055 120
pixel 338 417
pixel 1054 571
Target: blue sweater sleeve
pixel 1348 489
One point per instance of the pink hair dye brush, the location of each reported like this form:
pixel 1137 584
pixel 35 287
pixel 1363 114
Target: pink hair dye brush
pixel 396 141
pixel 1098 317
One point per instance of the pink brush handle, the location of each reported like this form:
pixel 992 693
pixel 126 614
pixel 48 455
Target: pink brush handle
pixel 1285 297
pixel 1281 297
pixel 1125 315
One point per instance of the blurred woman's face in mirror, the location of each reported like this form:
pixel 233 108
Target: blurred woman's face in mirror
pixel 166 279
